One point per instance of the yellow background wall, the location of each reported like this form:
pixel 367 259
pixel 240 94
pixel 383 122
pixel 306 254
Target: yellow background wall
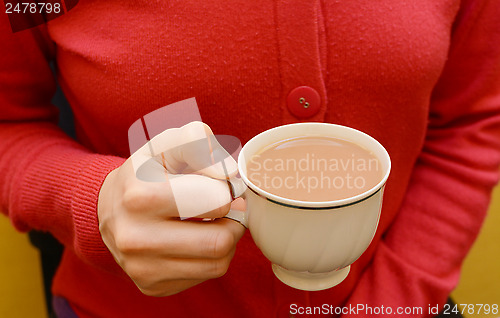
pixel 21 293
pixel 21 289
pixel 480 281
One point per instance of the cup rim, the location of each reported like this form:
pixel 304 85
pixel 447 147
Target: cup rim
pixel 314 205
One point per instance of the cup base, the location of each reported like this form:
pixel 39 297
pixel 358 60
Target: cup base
pixel 310 281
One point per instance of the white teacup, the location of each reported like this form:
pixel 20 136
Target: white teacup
pixel 311 244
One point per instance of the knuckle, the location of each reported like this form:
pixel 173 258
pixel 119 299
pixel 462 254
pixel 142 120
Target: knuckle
pixel 126 244
pixel 195 131
pixel 141 197
pixel 196 126
pixel 133 198
pixel 104 230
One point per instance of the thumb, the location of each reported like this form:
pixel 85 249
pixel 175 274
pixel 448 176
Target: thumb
pixel 199 196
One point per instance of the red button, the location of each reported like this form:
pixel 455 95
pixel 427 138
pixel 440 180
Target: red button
pixel 303 102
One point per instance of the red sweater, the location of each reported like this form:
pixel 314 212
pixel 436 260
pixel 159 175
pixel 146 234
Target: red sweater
pixel 422 77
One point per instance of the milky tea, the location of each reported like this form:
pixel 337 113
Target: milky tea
pixel 314 169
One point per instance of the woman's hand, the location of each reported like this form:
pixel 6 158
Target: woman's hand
pixel 142 201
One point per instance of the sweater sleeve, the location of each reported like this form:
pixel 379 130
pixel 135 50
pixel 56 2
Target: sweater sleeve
pixel 418 261
pixel 48 181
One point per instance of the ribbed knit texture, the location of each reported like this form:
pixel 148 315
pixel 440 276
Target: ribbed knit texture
pixel 422 77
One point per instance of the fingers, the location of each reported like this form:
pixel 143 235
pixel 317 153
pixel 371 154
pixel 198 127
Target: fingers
pixel 171 256
pixel 178 239
pixel 162 270
pixel 182 196
pixel 140 203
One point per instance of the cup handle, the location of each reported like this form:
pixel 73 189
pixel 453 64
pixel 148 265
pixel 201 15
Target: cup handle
pixel 237 188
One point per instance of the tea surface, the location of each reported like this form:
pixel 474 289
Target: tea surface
pixel 314 169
